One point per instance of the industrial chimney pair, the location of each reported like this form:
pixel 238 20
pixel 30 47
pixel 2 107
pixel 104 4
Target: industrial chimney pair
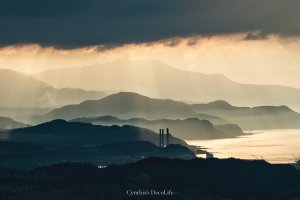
pixel 162 137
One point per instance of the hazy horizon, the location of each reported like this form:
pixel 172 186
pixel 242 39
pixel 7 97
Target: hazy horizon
pixel 270 61
pixel 116 99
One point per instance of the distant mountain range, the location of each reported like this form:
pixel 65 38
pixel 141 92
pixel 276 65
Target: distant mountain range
pixel 191 128
pixel 60 141
pixel 8 123
pixel 159 80
pixel 253 118
pixel 22 114
pixel 128 105
pixel 19 90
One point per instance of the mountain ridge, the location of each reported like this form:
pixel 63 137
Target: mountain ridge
pixel 188 129
pixel 159 80
pixel 128 105
pixel 9 123
pixel 254 118
pixel 26 91
pixel 60 141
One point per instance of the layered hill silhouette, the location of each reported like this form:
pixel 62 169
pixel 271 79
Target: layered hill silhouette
pixel 19 90
pixel 65 133
pixel 8 123
pixel 22 114
pixel 251 118
pixel 60 141
pixel 28 155
pixel 128 105
pixel 188 179
pixel 157 79
pixel 191 128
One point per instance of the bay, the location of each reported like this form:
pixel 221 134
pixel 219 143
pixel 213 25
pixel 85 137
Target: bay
pixel 274 146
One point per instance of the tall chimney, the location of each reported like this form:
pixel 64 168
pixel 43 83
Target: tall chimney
pixel 159 137
pixel 168 137
pixel 163 137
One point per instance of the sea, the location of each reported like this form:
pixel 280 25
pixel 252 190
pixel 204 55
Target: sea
pixel 274 146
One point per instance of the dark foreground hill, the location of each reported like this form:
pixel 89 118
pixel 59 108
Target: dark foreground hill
pixel 60 133
pixel 191 128
pixel 156 178
pixel 61 141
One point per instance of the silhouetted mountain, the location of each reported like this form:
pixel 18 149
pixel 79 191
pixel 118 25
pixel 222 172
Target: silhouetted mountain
pixel 157 79
pixel 128 152
pixel 18 90
pixel 187 179
pixel 22 114
pixel 215 105
pixel 8 123
pixel 174 151
pixel 8 172
pixel 129 105
pixel 191 128
pixel 27 155
pixel 11 147
pixel 59 141
pixel 75 133
pixel 68 170
pixel 230 129
pixel 261 117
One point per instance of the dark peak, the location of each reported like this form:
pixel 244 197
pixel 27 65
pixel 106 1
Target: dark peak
pixel 197 120
pixel 121 96
pixel 192 119
pixel 56 122
pixel 101 118
pixel 6 119
pixel 220 103
pixel 107 118
pixel 131 96
pixel 125 95
pixel 281 108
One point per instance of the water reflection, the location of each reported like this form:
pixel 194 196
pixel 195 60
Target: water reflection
pixel 275 146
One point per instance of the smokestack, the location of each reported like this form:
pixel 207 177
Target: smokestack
pixel 159 137
pixel 168 137
pixel 163 137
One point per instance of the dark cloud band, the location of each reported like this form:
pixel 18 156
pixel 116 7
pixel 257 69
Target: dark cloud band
pixel 79 23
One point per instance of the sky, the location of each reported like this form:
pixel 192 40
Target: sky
pixel 249 41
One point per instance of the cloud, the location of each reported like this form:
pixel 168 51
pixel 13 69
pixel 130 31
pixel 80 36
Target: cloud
pixel 75 23
pixel 255 35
